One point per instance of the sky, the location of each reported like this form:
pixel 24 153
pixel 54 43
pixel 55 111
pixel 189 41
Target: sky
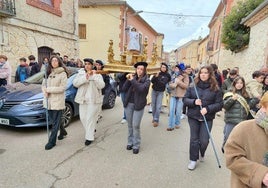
pixel 179 29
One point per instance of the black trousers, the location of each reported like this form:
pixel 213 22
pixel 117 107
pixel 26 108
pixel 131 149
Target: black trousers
pixel 199 138
pixel 55 120
pixel 3 82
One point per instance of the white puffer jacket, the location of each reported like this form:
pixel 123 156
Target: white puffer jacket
pixel 89 90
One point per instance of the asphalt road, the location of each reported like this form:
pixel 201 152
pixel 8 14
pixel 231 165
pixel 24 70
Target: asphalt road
pixel 161 163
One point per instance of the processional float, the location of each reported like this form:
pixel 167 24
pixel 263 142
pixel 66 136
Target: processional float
pixel 129 58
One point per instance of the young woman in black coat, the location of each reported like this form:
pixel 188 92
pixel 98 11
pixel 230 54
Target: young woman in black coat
pixel 136 89
pixel 210 98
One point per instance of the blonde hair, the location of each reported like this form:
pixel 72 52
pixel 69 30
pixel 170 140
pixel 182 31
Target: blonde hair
pixel 264 100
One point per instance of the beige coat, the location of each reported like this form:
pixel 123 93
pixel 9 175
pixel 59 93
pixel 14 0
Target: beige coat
pixel 254 88
pixel 244 153
pixel 180 86
pixel 89 90
pixel 56 86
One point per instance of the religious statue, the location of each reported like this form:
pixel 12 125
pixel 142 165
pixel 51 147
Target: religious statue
pixel 134 41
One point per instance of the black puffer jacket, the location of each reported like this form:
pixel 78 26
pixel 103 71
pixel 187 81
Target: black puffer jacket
pixel 211 100
pixel 160 82
pixel 234 111
pixel 139 89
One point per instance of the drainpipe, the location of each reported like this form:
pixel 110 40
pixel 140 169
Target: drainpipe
pixel 224 11
pixel 124 25
pixel 2 34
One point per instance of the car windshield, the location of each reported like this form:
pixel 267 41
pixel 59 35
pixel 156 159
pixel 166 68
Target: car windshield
pixel 38 78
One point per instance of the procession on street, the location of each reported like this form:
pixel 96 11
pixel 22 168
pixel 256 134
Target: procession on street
pixel 120 107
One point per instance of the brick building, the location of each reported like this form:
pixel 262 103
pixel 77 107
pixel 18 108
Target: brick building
pixel 38 27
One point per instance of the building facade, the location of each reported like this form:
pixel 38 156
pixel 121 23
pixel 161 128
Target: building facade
pixel 215 48
pixel 255 55
pixel 37 28
pixel 188 53
pixel 103 20
pixel 202 55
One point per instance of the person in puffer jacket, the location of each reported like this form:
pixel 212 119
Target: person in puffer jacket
pixel 246 150
pixel 237 105
pixel 210 99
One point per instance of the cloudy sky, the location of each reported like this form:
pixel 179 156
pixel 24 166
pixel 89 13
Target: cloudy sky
pixel 177 29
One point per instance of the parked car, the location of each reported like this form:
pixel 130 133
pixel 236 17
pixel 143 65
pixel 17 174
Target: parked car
pixel 21 104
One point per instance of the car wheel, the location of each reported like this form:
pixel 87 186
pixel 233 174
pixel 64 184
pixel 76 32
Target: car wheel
pixel 111 100
pixel 67 115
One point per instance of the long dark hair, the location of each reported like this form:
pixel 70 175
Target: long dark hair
pixel 244 92
pixel 61 64
pixel 211 79
pixel 143 74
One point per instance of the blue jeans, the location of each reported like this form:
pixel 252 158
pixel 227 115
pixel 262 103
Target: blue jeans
pixel 226 132
pixel 134 120
pixel 199 138
pixel 123 96
pixel 175 110
pixel 157 97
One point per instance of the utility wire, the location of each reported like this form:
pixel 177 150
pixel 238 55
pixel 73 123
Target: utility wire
pixel 96 6
pixel 170 14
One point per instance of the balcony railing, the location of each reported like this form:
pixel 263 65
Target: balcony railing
pixel 7 8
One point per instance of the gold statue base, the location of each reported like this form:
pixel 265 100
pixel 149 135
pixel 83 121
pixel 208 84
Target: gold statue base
pixel 129 58
pixel 128 69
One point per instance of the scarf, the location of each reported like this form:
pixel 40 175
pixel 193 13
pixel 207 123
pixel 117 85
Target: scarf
pixel 240 99
pixel 262 120
pixel 2 64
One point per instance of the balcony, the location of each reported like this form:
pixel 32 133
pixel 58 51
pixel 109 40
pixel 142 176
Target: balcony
pixel 210 45
pixel 7 8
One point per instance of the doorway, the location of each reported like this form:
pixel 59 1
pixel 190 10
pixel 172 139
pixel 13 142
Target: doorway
pixel 43 52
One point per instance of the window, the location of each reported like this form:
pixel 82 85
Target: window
pixel 49 2
pixel 82 31
pixel 52 6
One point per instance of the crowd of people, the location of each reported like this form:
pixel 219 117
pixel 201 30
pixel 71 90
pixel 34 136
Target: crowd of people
pixel 200 95
pixel 29 66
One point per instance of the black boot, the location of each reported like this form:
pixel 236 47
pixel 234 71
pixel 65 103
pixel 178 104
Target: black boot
pixel 49 146
pixel 63 133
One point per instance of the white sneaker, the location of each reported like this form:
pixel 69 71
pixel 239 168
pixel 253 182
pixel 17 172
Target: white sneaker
pixel 183 116
pixel 191 165
pixel 201 159
pixel 123 121
pixel 150 110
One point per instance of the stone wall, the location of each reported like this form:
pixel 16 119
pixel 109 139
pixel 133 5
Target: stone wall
pixel 22 35
pixel 252 58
